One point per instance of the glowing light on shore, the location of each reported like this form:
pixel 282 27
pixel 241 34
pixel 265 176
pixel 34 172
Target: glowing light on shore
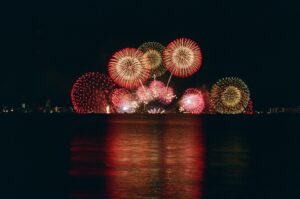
pixel 108 109
pixel 128 106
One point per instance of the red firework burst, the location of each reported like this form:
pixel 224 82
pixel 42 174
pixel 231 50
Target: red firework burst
pixel 90 93
pixel 167 95
pixel 249 109
pixel 128 68
pixel 192 101
pixel 182 57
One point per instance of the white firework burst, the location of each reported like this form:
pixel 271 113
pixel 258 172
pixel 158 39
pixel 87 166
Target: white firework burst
pixel 156 110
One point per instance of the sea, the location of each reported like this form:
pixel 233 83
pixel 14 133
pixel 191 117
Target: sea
pixel 58 156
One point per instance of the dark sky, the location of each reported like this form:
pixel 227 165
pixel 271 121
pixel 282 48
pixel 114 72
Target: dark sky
pixel 46 46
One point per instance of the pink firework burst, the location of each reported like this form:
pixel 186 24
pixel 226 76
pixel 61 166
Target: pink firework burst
pixel 192 101
pixel 182 57
pixel 119 95
pixel 123 101
pixel 128 68
pixel 156 88
pixel 144 94
pixel 167 95
pixel 90 93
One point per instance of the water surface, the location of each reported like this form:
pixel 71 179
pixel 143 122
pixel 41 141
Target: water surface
pixel 145 156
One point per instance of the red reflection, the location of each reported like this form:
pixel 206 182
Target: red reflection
pixel 87 156
pixel 183 159
pixel 155 161
pixel 134 162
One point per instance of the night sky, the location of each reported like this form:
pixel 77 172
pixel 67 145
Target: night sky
pixel 45 47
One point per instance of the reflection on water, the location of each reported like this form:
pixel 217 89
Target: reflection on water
pixel 140 159
pixel 183 159
pixel 228 163
pixel 155 161
pixel 161 156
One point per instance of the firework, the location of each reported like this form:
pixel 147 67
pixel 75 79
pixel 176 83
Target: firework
pixel 230 95
pixel 249 109
pixel 128 106
pixel 123 101
pixel 120 94
pixel 192 101
pixel 156 110
pixel 153 52
pixel 144 94
pixel 182 57
pixel 167 95
pixel 90 93
pixel 156 88
pixel 128 68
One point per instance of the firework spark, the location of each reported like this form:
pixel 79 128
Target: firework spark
pixel 128 68
pixel 90 93
pixel 123 101
pixel 156 88
pixel 156 110
pixel 230 95
pixel 192 101
pixel 153 52
pixel 167 95
pixel 182 57
pixel 128 106
pixel 144 94
pixel 120 94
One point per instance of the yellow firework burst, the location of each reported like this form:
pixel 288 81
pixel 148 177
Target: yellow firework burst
pixel 153 53
pixel 128 68
pixel 182 57
pixel 230 95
